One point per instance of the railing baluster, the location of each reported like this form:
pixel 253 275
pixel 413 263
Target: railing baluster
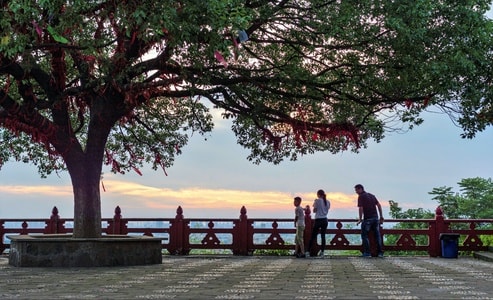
pixel 344 236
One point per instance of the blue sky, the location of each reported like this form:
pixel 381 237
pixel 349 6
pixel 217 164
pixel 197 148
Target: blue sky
pixel 214 179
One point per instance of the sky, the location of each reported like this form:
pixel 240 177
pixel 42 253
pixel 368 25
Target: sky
pixel 213 178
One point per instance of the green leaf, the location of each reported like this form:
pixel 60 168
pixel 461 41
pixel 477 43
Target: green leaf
pixel 56 36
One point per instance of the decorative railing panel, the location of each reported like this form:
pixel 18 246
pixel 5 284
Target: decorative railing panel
pixel 243 236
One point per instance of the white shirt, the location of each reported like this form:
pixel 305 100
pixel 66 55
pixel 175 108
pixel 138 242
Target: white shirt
pixel 321 209
pixel 300 213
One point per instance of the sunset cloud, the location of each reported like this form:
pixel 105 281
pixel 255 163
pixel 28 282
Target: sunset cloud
pixel 136 199
pixel 45 190
pixel 164 198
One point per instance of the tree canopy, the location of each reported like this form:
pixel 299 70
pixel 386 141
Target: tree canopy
pixel 332 71
pixel 123 83
pixel 474 201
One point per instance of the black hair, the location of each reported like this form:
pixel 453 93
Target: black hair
pixel 322 193
pixel 359 186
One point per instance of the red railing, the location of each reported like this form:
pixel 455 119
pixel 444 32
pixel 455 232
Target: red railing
pixel 243 236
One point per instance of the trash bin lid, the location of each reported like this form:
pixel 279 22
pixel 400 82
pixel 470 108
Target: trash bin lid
pixel 449 236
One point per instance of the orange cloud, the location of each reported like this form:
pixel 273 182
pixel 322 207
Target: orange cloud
pixel 197 197
pixel 137 200
pixel 265 202
pixel 47 190
pixel 341 200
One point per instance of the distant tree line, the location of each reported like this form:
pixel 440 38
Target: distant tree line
pixel 473 201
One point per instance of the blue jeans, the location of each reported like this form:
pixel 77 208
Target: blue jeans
pixel 368 225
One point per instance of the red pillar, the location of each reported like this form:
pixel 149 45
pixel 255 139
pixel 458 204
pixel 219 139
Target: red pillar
pixel 308 229
pixel 117 225
pixel 54 224
pixel 373 242
pixel 24 226
pixel 243 234
pixel 179 232
pixel 436 228
pixel 2 234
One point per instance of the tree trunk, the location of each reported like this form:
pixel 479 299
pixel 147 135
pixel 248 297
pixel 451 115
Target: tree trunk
pixel 87 201
pixel 84 164
pixel 87 210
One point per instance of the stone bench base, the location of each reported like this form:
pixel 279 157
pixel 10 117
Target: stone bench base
pixel 61 250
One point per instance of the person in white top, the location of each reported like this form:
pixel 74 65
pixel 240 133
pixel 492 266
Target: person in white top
pixel 321 208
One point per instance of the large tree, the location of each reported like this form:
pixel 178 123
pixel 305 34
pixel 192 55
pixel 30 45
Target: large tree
pixel 474 201
pixel 124 83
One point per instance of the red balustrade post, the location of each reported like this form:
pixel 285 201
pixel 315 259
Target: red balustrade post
pixel 308 227
pixel 51 223
pixel 437 227
pixel 24 228
pixel 179 232
pixel 243 234
pixel 117 225
pixel 373 241
pixel 117 218
pixel 2 234
pixel 54 224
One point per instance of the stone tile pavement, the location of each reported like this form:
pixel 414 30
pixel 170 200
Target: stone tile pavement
pixel 258 277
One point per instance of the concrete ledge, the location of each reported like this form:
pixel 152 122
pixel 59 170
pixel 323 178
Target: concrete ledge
pixel 61 250
pixel 484 255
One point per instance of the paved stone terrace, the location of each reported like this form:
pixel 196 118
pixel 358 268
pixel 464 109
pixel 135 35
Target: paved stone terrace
pixel 234 277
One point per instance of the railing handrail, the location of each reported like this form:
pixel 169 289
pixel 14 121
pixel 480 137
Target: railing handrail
pixel 243 231
pixel 195 219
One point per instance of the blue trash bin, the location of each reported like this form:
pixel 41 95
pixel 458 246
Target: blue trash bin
pixel 450 245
